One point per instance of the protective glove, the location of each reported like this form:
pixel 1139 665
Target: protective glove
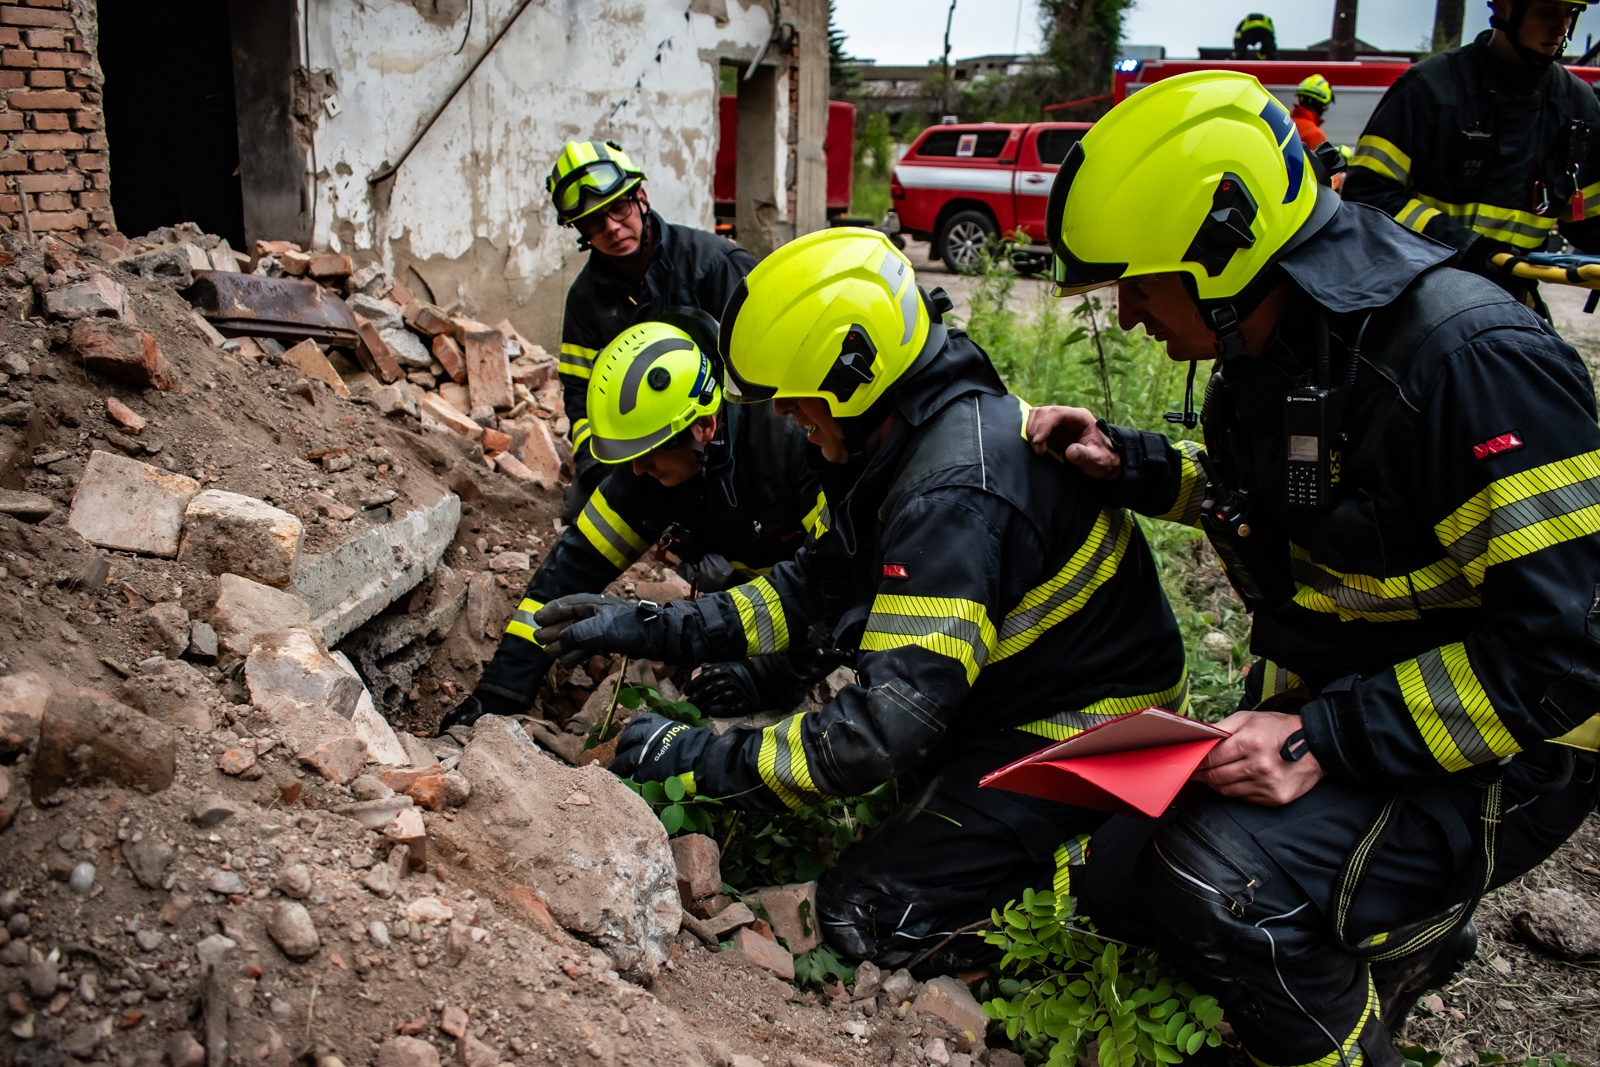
pixel 653 747
pixel 710 573
pixel 724 690
pixel 592 622
pixel 1479 256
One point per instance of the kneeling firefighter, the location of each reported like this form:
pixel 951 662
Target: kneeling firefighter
pixel 1401 473
pixel 729 490
pixel 989 600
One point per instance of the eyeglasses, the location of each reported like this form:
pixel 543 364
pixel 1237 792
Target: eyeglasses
pixel 595 221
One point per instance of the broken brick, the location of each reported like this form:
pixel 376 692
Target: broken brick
pixel 533 905
pixel 439 415
pixel 329 265
pixel 699 862
pixel 374 353
pixel 488 372
pixel 751 949
pixel 426 319
pixel 294 263
pixel 123 504
pixel 793 912
pixel 406 828
pixel 236 761
pixel 124 416
pixel 495 441
pixel 448 353
pixel 96 296
pixel 307 358
pixel 123 352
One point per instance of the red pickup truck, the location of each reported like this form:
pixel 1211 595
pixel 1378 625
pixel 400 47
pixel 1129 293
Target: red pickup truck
pixel 960 186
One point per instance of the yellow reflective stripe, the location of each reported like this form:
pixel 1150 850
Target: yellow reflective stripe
pixel 610 536
pixel 782 764
pixel 1520 229
pixel 1191 487
pixel 1416 215
pixel 949 626
pixel 576 360
pixel 816 519
pixel 761 613
pixel 1065 724
pixel 1276 680
pixel 1451 710
pixel 1349 1053
pixel 1074 853
pixel 1591 201
pixel 522 624
pixel 1383 158
pixel 1521 514
pixel 1585 735
pixel 1090 567
pixel 1318 587
pixel 580 433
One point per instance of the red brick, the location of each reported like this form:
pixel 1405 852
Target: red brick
pixel 46 3
pixel 50 100
pixel 47 79
pixel 94 198
pixel 45 38
pixel 18 57
pixel 10 120
pixel 49 142
pixel 13 163
pixel 100 180
pixel 49 183
pixel 60 220
pixel 9 204
pixel 91 161
pixel 87 119
pixel 95 142
pixel 55 202
pixel 21 16
pixel 12 79
pixel 49 161
pixel 49 120
pixel 102 214
pixel 73 61
pixel 10 37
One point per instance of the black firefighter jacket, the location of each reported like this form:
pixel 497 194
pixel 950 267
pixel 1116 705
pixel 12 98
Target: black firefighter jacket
pixel 1442 613
pixel 982 588
pixel 688 268
pixel 753 503
pixel 1464 146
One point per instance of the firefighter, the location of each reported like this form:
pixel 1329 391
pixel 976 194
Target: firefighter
pixel 1255 38
pixel 1312 98
pixel 730 488
pixel 989 600
pixel 1490 147
pixel 639 265
pixel 1401 470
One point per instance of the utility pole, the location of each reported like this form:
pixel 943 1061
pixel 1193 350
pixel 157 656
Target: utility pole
pixel 1448 18
pixel 944 66
pixel 1342 45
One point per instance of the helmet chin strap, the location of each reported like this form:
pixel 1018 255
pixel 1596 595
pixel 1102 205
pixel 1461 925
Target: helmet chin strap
pixel 1225 326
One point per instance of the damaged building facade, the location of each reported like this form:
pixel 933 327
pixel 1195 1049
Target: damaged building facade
pixel 416 134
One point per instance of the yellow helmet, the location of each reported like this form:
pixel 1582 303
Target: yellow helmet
pixel 651 383
pixel 835 314
pixel 587 176
pixel 1201 174
pixel 1317 89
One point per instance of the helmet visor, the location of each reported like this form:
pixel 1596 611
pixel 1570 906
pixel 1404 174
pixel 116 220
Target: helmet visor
pixel 736 389
pixel 1071 274
pixel 588 188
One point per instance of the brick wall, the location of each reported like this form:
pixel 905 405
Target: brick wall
pixel 53 176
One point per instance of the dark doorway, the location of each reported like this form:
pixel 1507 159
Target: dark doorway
pixel 170 124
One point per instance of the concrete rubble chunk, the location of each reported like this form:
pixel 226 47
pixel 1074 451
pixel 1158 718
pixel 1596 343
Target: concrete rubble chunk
pixel 949 999
pixel 900 987
pixel 382 745
pixel 407 829
pixel 175 693
pixel 407 1052
pixel 290 926
pixel 86 736
pixel 23 698
pixel 230 533
pixel 751 949
pixel 26 507
pixel 792 910
pixel 245 608
pixel 123 352
pixel 168 623
pixel 290 674
pixel 407 348
pixel 699 863
pixel 1559 922
pixel 606 869
pixel 352 583
pixel 730 919
pixel 383 314
pixel 172 264
pixel 124 504
pixel 148 859
pixel 307 358
pixel 202 643
pixel 211 809
pixel 96 296
pixel 488 372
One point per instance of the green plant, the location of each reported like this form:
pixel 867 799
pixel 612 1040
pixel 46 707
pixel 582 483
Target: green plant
pixel 820 966
pixel 1070 986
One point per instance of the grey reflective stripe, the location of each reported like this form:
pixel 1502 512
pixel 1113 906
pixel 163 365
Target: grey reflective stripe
pixel 1509 518
pixel 613 538
pixel 1385 158
pixel 1314 577
pixel 1409 219
pixel 577 360
pixel 1486 225
pixel 1447 703
pixel 601 151
pixel 617 450
pixel 1016 624
pixel 968 633
pixel 766 639
pixel 628 392
pixel 893 271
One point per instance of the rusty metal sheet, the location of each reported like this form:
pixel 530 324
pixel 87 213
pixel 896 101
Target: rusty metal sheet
pixel 288 309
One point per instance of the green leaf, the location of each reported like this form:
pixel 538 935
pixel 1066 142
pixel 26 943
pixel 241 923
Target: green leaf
pixel 1195 1041
pixel 653 793
pixel 674 788
pixel 672 818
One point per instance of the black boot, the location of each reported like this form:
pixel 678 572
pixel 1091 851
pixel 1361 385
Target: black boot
pixel 1400 982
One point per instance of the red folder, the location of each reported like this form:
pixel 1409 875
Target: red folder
pixel 1131 765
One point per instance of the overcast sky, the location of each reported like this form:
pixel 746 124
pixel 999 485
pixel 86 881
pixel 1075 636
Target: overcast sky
pixel 912 31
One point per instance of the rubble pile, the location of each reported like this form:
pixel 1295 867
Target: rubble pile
pixel 234 601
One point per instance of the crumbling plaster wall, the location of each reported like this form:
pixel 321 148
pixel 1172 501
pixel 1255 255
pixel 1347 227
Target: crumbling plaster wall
pixel 467 214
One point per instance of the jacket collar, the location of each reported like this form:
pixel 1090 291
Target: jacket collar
pixel 1361 259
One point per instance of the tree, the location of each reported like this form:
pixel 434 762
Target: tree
pixel 1082 39
pixel 1448 18
pixel 842 77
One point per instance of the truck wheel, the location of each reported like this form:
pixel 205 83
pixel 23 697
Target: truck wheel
pixel 965 237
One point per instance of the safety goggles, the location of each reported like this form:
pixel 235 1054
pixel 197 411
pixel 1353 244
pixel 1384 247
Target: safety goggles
pixel 589 186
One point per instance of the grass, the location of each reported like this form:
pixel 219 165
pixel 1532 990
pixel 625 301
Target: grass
pixel 869 194
pixel 1053 351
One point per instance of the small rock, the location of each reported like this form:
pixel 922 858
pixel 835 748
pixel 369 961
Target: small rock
pixel 211 809
pixel 25 507
pixel 148 859
pixel 184 1051
pixel 294 881
pixel 236 761
pixel 457 790
pixel 202 643
pixel 378 932
pixel 370 787
pixel 82 879
pixel 226 883
pixel 407 1052
pixel 169 623
pixel 949 999
pixel 1560 922
pixel 869 980
pixel 429 910
pixel 41 977
pixel 453 1021
pixel 510 561
pixel 291 927
pixel 900 987
pixel 750 948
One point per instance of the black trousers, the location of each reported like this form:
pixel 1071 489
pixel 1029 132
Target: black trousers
pixel 1243 898
pixel 944 861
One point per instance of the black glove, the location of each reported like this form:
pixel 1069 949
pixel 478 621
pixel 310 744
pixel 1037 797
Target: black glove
pixel 724 690
pixel 592 622
pixel 710 573
pixel 1479 255
pixel 653 747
